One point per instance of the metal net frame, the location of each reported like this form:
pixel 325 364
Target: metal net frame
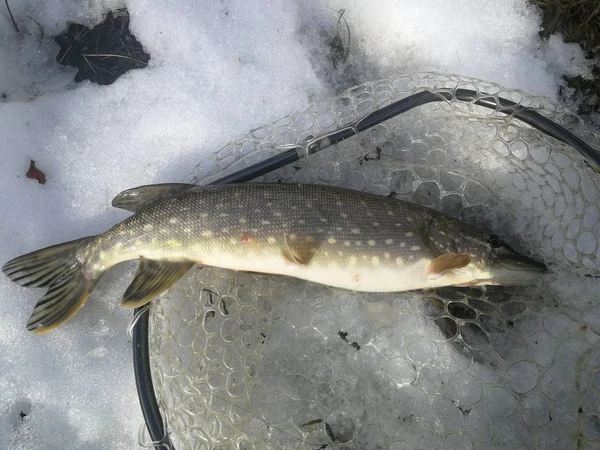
pixel 243 361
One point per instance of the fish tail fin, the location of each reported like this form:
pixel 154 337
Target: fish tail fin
pixel 68 284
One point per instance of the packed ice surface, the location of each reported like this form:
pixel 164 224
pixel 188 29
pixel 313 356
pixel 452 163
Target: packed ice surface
pixel 217 70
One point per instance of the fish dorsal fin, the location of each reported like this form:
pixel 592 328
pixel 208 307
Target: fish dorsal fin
pixel 447 262
pixel 136 198
pixel 298 250
pixel 152 279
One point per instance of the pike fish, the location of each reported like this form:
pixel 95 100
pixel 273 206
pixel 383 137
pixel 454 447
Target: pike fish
pixel 328 235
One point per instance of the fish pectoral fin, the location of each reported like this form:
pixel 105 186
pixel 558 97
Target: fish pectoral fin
pixel 298 250
pixel 447 262
pixel 152 279
pixel 136 198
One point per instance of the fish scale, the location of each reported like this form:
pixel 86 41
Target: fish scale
pixel 253 220
pixel 328 235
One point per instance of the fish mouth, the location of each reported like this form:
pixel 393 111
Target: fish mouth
pixel 514 268
pixel 515 261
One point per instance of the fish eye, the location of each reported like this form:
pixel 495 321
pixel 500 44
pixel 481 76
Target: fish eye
pixel 494 241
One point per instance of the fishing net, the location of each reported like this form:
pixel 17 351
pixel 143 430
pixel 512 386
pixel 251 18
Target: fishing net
pixel 242 361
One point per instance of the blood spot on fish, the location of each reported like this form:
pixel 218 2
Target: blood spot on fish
pixel 389 241
pixel 356 277
pixel 355 231
pixel 371 242
pixel 246 239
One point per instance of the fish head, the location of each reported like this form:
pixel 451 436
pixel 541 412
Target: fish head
pixel 491 261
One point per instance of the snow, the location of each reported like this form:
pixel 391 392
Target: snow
pixel 217 70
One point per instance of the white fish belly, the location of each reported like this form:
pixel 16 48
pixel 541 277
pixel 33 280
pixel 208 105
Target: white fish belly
pixel 383 278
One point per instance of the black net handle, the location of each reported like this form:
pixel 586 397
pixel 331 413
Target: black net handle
pixel 141 354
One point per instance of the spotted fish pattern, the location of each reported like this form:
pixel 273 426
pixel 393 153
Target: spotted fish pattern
pixel 328 235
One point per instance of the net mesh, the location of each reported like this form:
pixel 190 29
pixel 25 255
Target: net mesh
pixel 242 361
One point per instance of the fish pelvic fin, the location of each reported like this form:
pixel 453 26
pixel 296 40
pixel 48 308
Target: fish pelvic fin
pixel 152 279
pixel 298 250
pixel 58 268
pixel 42 267
pixel 136 198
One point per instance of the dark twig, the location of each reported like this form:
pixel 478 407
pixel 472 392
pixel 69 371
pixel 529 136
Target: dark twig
pixel 11 16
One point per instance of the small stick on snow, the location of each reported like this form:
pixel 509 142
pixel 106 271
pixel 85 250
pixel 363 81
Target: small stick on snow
pixel 11 16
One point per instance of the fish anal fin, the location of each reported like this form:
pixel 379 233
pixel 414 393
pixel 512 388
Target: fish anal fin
pixel 136 198
pixel 152 279
pixel 298 250
pixel 447 262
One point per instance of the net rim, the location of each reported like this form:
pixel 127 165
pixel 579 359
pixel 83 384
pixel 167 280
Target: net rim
pixel 140 331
